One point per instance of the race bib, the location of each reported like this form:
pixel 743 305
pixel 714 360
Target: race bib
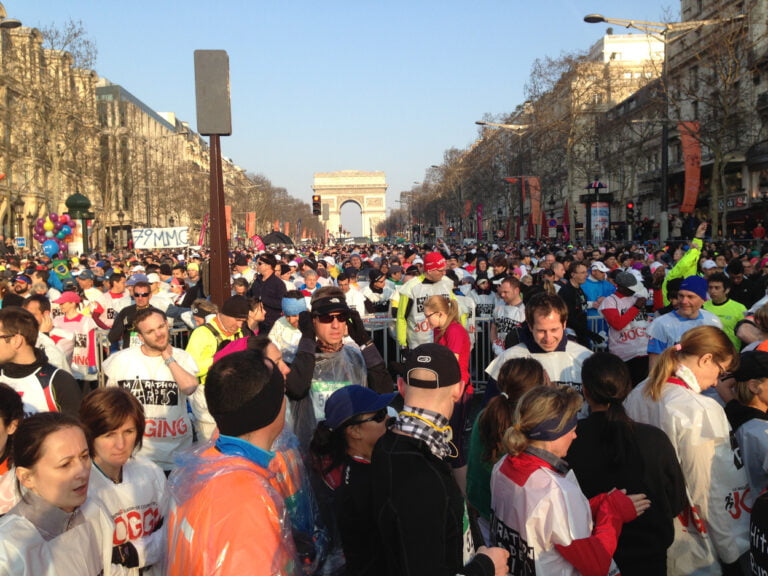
pixel 321 391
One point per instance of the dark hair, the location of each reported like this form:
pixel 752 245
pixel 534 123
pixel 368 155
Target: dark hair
pixel 141 284
pixel 607 381
pixel 516 377
pixel 145 313
pixel 735 266
pixel 42 300
pixel 673 287
pixel 115 278
pixel 344 276
pixel 32 433
pixel 543 304
pixel 240 282
pixel 294 294
pixel 11 408
pixel 328 448
pixel 719 277
pixel 43 274
pixel 17 320
pixel 235 379
pixel 259 343
pixel 106 409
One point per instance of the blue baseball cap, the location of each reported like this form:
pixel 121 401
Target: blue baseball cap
pixel 351 401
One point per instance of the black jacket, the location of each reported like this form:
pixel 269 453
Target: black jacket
pixel 271 292
pixel 420 512
pixel 649 465
pixel 576 301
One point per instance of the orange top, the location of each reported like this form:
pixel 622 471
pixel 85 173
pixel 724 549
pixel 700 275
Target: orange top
pixel 231 524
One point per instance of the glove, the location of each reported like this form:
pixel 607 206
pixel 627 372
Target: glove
pixel 356 329
pixel 125 555
pixel 596 338
pixel 306 326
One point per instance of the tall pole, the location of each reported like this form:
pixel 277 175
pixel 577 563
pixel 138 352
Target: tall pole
pixel 664 198
pixel 219 260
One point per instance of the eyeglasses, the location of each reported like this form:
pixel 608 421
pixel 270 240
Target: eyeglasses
pixel 723 373
pixel 141 294
pixel 329 318
pixel 428 316
pixel 7 337
pixel 378 417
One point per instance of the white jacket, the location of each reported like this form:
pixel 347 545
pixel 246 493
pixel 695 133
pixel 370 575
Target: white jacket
pixel 717 522
pixel 81 550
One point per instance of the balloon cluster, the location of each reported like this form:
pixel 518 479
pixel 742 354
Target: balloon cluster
pixel 53 232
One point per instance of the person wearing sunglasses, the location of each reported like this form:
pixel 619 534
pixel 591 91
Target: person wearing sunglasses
pixel 341 449
pixel 324 362
pixel 124 327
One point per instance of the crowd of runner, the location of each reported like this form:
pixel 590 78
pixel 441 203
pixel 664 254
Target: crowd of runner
pixel 334 416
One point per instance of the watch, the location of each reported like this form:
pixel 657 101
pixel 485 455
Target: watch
pixel 170 360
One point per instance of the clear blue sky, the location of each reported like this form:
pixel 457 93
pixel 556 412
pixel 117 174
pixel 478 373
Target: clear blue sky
pixel 321 86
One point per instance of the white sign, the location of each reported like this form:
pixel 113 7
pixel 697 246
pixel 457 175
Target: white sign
pixel 153 238
pixel 21 242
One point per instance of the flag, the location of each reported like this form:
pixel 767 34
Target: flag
pixel 250 223
pixel 203 230
pixel 692 160
pixel 258 243
pixel 228 220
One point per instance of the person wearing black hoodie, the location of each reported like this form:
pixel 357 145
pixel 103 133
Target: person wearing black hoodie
pixel 25 368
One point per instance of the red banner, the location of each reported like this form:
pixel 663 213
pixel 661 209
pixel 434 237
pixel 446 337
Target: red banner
pixel 258 243
pixel 692 160
pixel 250 223
pixel 535 189
pixel 276 226
pixel 287 227
pixel 228 220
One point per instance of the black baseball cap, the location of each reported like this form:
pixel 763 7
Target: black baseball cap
pixel 438 360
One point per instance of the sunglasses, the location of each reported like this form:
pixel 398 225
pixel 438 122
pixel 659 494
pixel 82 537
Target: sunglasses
pixel 378 417
pixel 141 294
pixel 329 318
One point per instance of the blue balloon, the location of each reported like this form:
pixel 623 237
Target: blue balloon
pixel 66 229
pixel 50 248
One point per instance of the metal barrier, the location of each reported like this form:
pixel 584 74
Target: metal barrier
pixel 179 338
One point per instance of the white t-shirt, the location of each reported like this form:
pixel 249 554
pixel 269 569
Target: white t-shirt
pixel 168 426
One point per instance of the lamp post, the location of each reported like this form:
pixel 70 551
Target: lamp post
pixel 519 130
pixel 120 219
pixel 666 32
pixel 5 22
pixel 30 227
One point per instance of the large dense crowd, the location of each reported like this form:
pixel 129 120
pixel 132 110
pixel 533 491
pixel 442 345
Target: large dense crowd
pixel 387 409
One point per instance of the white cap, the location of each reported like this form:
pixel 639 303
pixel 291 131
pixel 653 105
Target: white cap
pixel 152 278
pixel 600 266
pixel 708 265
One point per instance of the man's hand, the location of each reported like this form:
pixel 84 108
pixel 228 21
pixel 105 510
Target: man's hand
pixel 640 302
pixel 701 231
pixel 498 556
pixel 356 329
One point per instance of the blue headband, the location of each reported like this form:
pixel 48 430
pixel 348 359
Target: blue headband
pixel 547 430
pixel 294 306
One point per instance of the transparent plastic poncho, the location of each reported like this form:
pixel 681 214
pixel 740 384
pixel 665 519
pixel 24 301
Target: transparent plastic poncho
pixel 230 516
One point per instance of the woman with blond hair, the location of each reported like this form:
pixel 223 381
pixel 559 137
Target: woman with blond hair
pixel 714 528
pixel 538 510
pixel 443 317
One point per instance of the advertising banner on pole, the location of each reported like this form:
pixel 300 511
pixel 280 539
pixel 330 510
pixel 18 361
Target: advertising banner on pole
pixel 600 220
pixel 154 238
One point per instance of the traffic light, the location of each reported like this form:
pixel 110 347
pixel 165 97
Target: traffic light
pixel 316 208
pixel 630 212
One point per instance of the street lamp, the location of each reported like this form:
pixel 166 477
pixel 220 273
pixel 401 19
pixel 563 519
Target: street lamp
pixel 666 32
pixel 5 22
pixel 120 218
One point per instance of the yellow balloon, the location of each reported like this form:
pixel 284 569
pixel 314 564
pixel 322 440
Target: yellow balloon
pixel 48 224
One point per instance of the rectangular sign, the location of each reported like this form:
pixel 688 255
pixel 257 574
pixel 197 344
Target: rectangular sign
pixel 154 238
pixel 21 242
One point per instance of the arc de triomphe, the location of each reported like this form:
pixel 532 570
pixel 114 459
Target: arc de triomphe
pixel 366 189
